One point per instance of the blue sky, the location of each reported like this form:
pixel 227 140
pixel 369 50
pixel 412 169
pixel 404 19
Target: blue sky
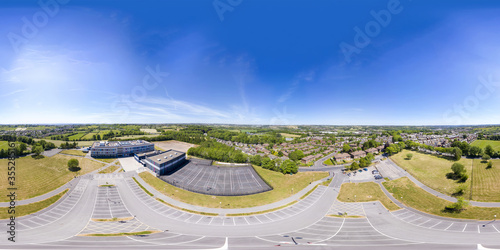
pixel 263 62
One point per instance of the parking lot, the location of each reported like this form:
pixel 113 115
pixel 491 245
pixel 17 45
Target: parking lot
pixel 361 175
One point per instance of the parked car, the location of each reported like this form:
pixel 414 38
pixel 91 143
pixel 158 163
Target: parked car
pixel 377 177
pixel 375 172
pixel 366 169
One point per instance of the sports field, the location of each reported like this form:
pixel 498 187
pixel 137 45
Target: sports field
pixel 483 143
pixel 37 177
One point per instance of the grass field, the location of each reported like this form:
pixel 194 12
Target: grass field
pixel 282 188
pixel 415 197
pixel 431 170
pixel 486 182
pixel 32 207
pixel 77 136
pixel 37 177
pixel 329 162
pixel 289 135
pixel 108 160
pixel 109 169
pixel 90 136
pixel 73 152
pixel 367 191
pixel 4 145
pixel 483 143
pixel 58 142
pixel 131 137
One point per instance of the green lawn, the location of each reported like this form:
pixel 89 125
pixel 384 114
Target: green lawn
pixel 58 142
pixel 483 143
pixel 366 191
pixel 33 207
pixel 108 160
pixel 329 162
pixel 131 137
pixel 77 136
pixel 289 135
pixel 37 177
pixel 413 196
pixel 109 169
pixel 282 188
pixel 431 170
pixel 90 136
pixel 73 152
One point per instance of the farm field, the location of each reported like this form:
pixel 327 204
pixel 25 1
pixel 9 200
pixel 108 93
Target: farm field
pixel 132 137
pixel 77 136
pixel 289 135
pixel 366 191
pixel 149 130
pixel 282 188
pixel 404 190
pixel 58 142
pixel 431 170
pixel 483 143
pixel 89 136
pixel 37 177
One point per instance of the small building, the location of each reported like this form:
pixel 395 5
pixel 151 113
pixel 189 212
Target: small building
pixel 358 154
pixel 307 159
pixel 371 151
pixel 342 157
pixel 165 162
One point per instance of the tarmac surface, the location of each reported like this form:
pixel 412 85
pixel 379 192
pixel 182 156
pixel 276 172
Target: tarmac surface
pixel 200 176
pixel 315 222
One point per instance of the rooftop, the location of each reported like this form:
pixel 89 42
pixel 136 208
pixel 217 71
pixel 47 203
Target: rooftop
pixel 166 156
pixel 119 143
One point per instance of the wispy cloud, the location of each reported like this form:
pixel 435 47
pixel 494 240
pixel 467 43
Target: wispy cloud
pixel 303 77
pixel 14 92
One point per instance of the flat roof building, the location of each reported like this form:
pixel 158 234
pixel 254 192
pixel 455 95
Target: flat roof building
pixel 165 162
pixel 120 148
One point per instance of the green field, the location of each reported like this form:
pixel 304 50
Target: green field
pixel 73 152
pixel 366 191
pixel 483 143
pixel 90 136
pixel 289 135
pixel 32 207
pixel 413 196
pixel 282 188
pixel 77 136
pixel 58 142
pixel 131 137
pixel 109 169
pixel 37 177
pixel 431 170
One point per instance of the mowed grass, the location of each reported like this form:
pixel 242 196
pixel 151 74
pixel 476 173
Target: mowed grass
pixel 431 170
pixel 58 142
pixel 413 196
pixel 109 169
pixel 364 192
pixel 108 160
pixel 329 162
pixel 286 135
pixel 77 136
pixel 73 152
pixel 486 182
pixel 37 177
pixel 483 143
pixel 131 137
pixel 32 207
pixel 282 188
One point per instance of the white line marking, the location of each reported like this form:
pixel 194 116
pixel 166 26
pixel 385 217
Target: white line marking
pixel 448 227
pixel 495 228
pixel 424 222
pixel 436 224
pixel 464 228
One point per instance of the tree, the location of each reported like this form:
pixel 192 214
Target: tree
pixel 22 147
pixel 486 157
pixel 490 165
pixel 73 165
pixel 37 150
pixel 457 153
pixel 409 156
pixel 346 148
pixel 489 150
pixel 475 151
pixel 354 166
pixel 458 169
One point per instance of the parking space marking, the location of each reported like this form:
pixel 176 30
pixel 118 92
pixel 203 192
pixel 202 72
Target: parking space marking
pixel 495 228
pixel 464 227
pixel 448 227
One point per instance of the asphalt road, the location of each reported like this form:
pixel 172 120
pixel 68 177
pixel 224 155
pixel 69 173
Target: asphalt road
pixel 303 225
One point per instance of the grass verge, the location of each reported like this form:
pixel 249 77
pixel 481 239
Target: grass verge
pixel 109 169
pixel 413 196
pixel 282 188
pixel 33 207
pixel 121 234
pixel 263 211
pixel 185 209
pixel 115 219
pixel 309 192
pixel 142 187
pixel 364 192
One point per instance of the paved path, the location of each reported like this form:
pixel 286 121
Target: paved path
pixel 438 194
pixel 280 203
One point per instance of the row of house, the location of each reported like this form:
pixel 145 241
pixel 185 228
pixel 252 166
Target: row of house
pixel 357 154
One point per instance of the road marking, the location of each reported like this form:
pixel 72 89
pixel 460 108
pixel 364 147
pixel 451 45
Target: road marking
pixel 415 219
pixel 436 224
pixel 424 222
pixel 199 219
pixel 211 221
pixel 448 227
pixel 246 220
pixel 478 229
pixel 495 228
pixel 463 230
pixel 261 221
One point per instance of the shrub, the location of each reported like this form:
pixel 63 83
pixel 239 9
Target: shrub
pixel 409 156
pixel 73 165
pixel 458 206
pixel 490 165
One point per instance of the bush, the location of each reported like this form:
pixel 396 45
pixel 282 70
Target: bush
pixel 409 156
pixel 458 206
pixel 490 165
pixel 486 157
pixel 73 165
pixel 458 169
pixel 460 190
pixel 463 178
